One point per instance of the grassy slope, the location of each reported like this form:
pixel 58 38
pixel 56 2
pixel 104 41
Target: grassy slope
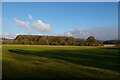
pixel 59 62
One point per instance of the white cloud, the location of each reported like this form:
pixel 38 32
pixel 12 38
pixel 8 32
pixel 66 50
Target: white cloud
pixel 77 33
pixel 41 26
pixel 110 32
pixel 8 35
pixel 22 24
pixel 38 25
pixel 80 33
pixel 66 34
pixel 102 33
pixel 30 17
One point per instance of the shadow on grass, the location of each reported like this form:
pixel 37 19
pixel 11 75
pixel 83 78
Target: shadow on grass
pixel 83 57
pixel 112 48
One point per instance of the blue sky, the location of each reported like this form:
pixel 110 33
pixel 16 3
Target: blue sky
pixel 60 0
pixel 81 19
pixel 0 18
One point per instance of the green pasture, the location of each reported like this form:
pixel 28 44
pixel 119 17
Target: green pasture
pixel 35 61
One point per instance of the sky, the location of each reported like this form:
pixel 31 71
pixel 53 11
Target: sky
pixel 60 0
pixel 0 18
pixel 77 19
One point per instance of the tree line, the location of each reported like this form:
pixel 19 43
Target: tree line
pixel 52 40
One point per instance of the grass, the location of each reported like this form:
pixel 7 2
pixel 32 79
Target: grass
pixel 32 61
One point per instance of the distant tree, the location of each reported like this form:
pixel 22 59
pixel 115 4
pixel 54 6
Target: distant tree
pixel 7 42
pixel 62 40
pixel 118 43
pixel 91 41
pixel 99 42
pixel 80 42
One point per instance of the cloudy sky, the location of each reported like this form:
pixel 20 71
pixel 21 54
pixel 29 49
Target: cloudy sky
pixel 81 19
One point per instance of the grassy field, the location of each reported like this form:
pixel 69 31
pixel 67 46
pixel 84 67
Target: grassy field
pixel 30 61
